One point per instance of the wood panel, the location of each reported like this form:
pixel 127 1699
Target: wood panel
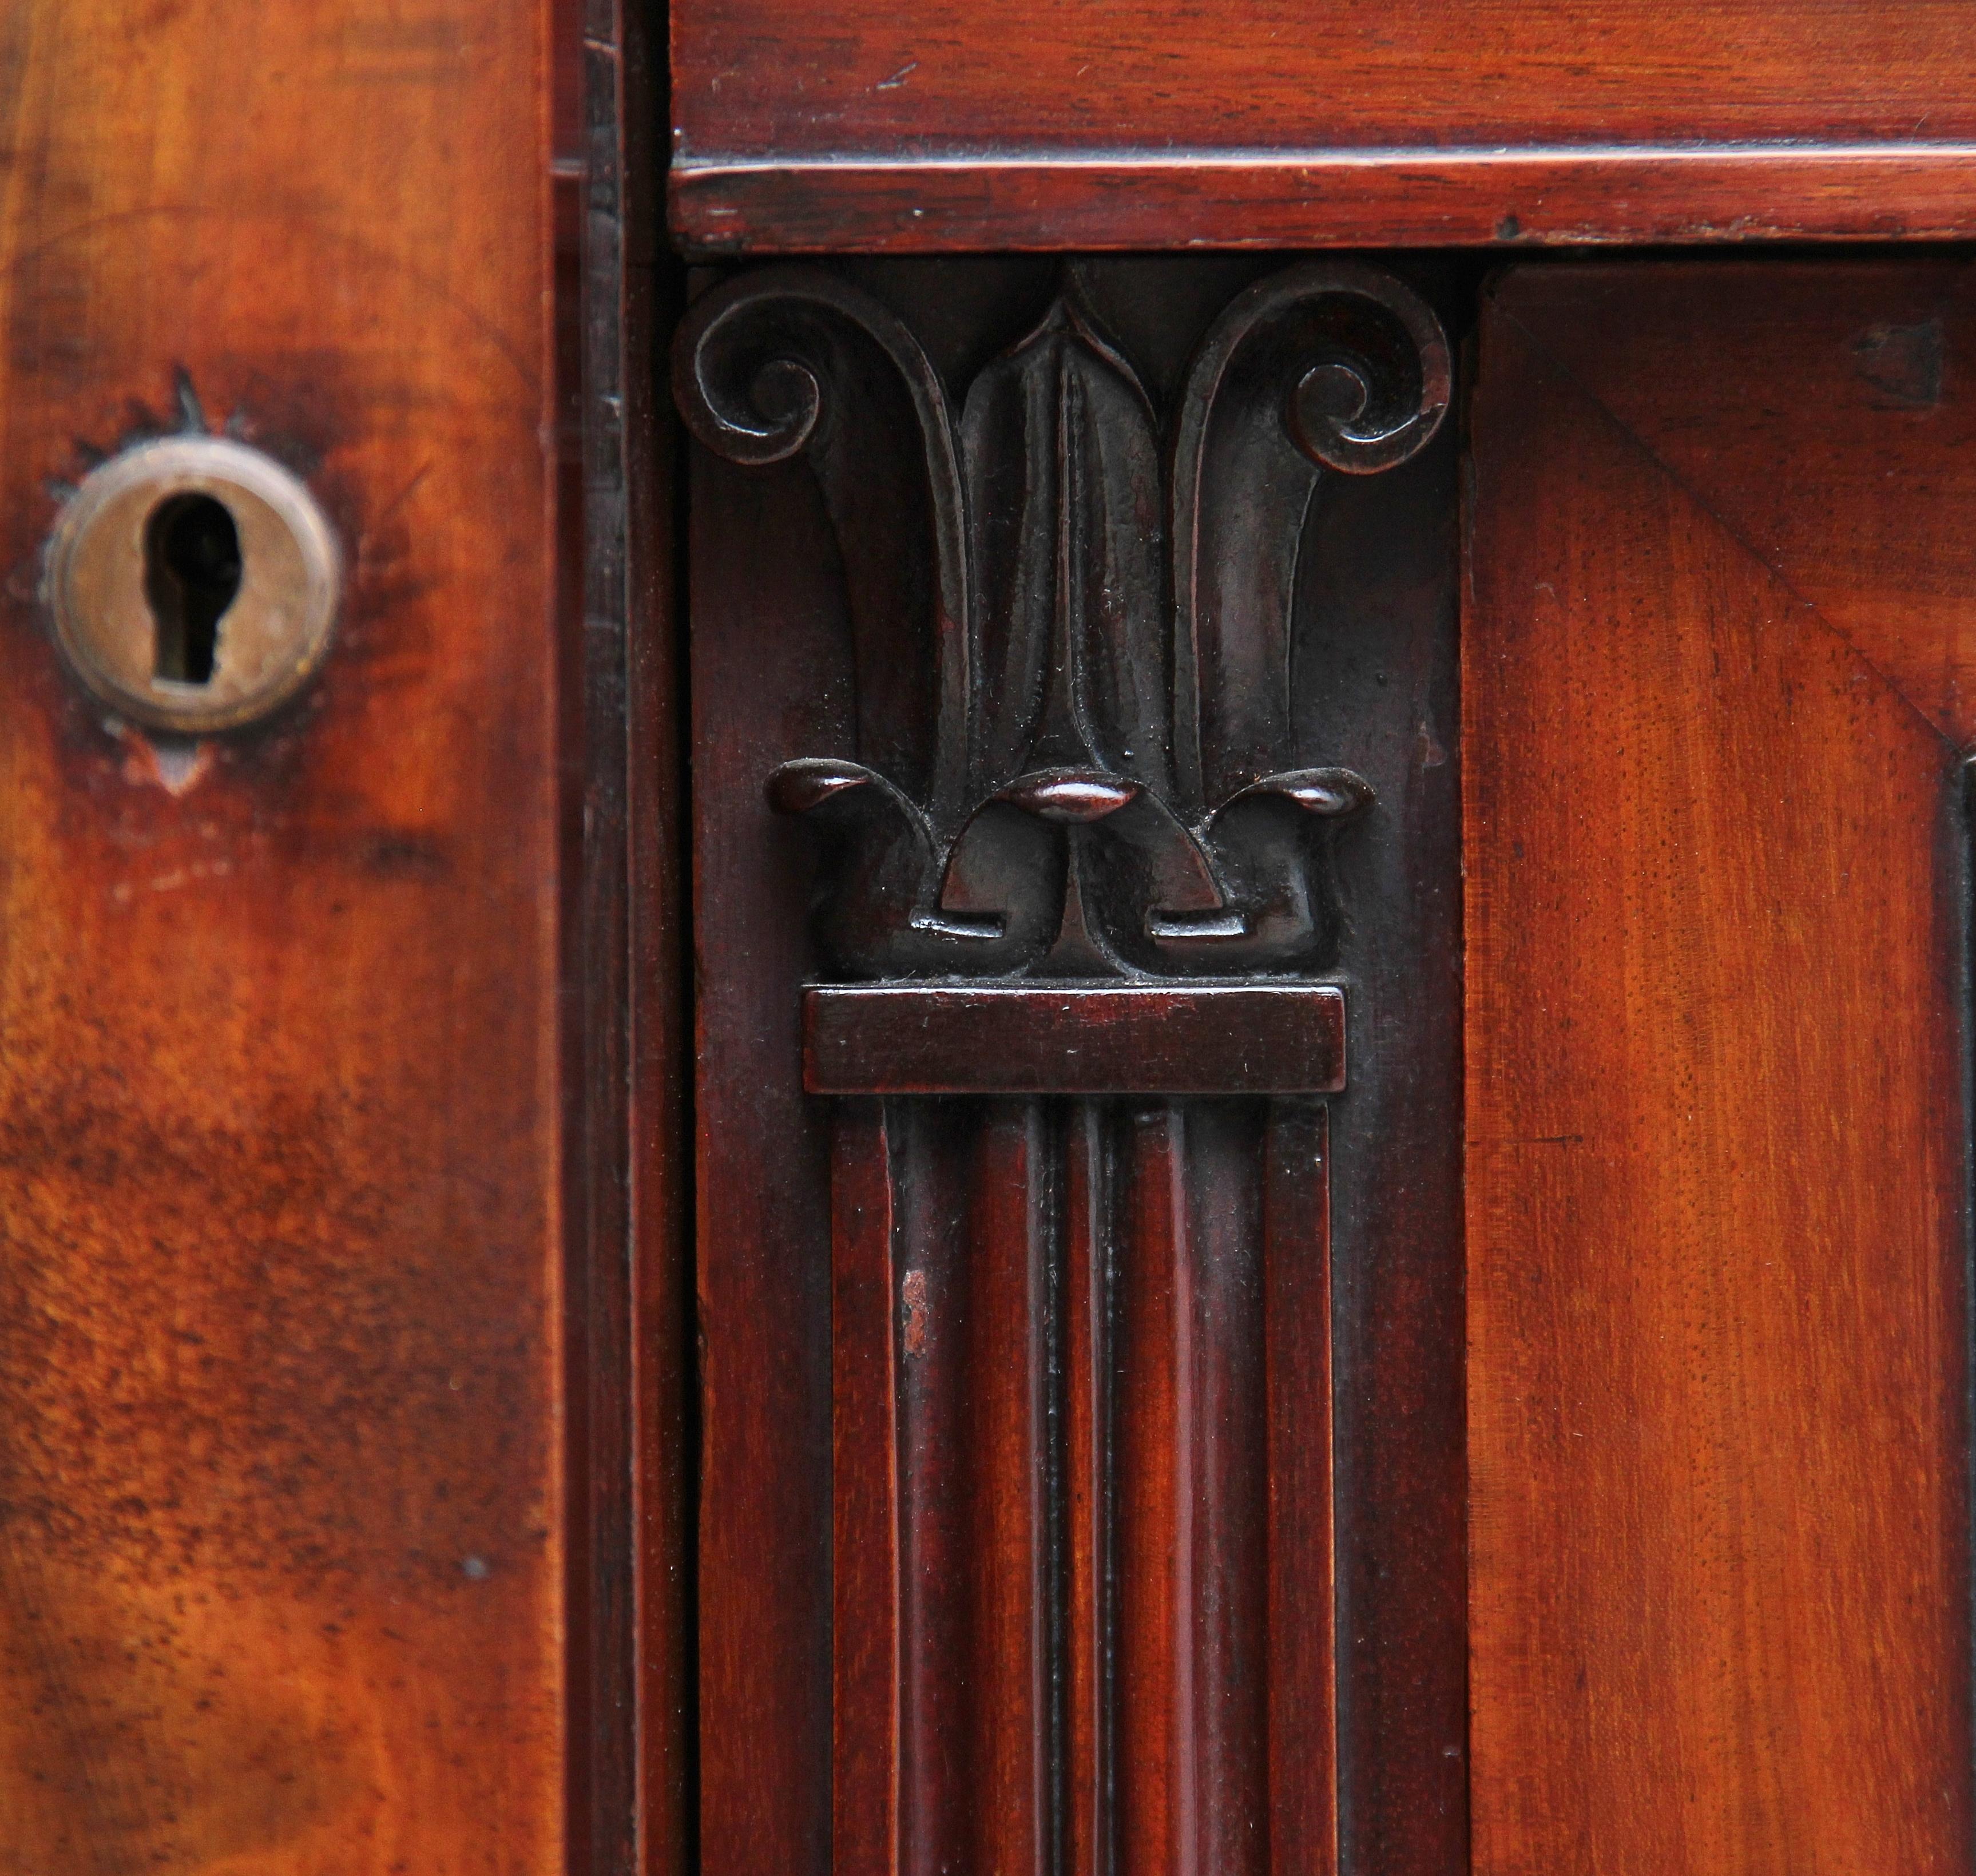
pixel 1883 357
pixel 866 123
pixel 281 1556
pixel 1717 1148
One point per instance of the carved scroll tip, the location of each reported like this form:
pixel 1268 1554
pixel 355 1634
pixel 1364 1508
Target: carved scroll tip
pixel 1183 927
pixel 797 787
pixel 1326 419
pixel 1070 796
pixel 941 923
pixel 1332 792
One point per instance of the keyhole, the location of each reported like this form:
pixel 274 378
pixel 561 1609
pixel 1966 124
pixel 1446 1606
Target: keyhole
pixel 192 574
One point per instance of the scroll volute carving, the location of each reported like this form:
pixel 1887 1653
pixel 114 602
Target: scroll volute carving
pixel 1074 658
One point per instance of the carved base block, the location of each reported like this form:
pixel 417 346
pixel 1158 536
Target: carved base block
pixel 1074 1039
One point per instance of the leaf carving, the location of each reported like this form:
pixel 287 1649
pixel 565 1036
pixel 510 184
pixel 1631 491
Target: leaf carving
pixel 1066 558
pixel 1326 366
pixel 793 361
pixel 1075 745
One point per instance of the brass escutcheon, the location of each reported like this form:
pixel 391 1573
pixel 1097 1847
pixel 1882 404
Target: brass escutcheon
pixel 186 617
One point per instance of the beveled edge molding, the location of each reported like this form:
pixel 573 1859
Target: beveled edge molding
pixel 1538 196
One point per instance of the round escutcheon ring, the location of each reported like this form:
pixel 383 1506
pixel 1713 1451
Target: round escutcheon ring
pixel 110 601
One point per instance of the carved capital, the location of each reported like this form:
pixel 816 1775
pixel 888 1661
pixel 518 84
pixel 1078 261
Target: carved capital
pixel 1073 615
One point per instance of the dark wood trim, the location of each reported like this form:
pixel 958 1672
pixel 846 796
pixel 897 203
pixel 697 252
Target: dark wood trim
pixel 1075 1289
pixel 631 1491
pixel 1074 1039
pixel 1327 198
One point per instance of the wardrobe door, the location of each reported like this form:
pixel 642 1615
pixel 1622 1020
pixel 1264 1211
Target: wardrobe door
pixel 280 1389
pixel 1718 663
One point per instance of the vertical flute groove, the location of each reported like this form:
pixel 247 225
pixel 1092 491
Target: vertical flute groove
pixel 1303 1731
pixel 1088 1237
pixel 1115 1627
pixel 866 1657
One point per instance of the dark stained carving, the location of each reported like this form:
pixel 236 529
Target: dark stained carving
pixel 1073 654
pixel 1082 1537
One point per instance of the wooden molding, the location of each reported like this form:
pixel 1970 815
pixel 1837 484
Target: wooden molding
pixel 1540 195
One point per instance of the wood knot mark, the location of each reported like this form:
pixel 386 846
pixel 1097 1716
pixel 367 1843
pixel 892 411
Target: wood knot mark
pixel 1903 363
pixel 913 1310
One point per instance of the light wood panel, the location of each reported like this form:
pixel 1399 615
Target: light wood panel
pixel 280 1553
pixel 1863 388
pixel 1717 886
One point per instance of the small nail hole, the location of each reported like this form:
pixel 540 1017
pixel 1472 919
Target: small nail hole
pixel 192 574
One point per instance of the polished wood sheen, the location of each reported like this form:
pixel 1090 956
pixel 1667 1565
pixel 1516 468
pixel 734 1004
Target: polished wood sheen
pixel 1718 910
pixel 869 124
pixel 1084 1039
pixel 281 1509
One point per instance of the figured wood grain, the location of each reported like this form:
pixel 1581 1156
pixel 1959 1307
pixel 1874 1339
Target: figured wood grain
pixel 280 1549
pixel 868 124
pixel 1717 1131
pixel 1879 355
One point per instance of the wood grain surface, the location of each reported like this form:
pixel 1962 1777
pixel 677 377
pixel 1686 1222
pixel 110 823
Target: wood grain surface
pixel 1717 908
pixel 868 124
pixel 1151 199
pixel 280 1500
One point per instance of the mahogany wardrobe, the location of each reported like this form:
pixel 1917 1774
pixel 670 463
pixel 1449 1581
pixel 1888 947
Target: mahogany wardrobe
pixel 987 938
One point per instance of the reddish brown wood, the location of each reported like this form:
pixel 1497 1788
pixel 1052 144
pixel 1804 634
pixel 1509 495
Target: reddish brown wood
pixel 1226 1475
pixel 1881 353
pixel 281 1562
pixel 1199 1671
pixel 1309 196
pixel 1061 1039
pixel 932 1319
pixel 1090 1719
pixel 856 75
pixel 627 1050
pixel 762 1219
pixel 1000 1468
pixel 977 1406
pixel 1718 915
pixel 1158 1797
pixel 864 1450
pixel 1301 1545
pixel 861 124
